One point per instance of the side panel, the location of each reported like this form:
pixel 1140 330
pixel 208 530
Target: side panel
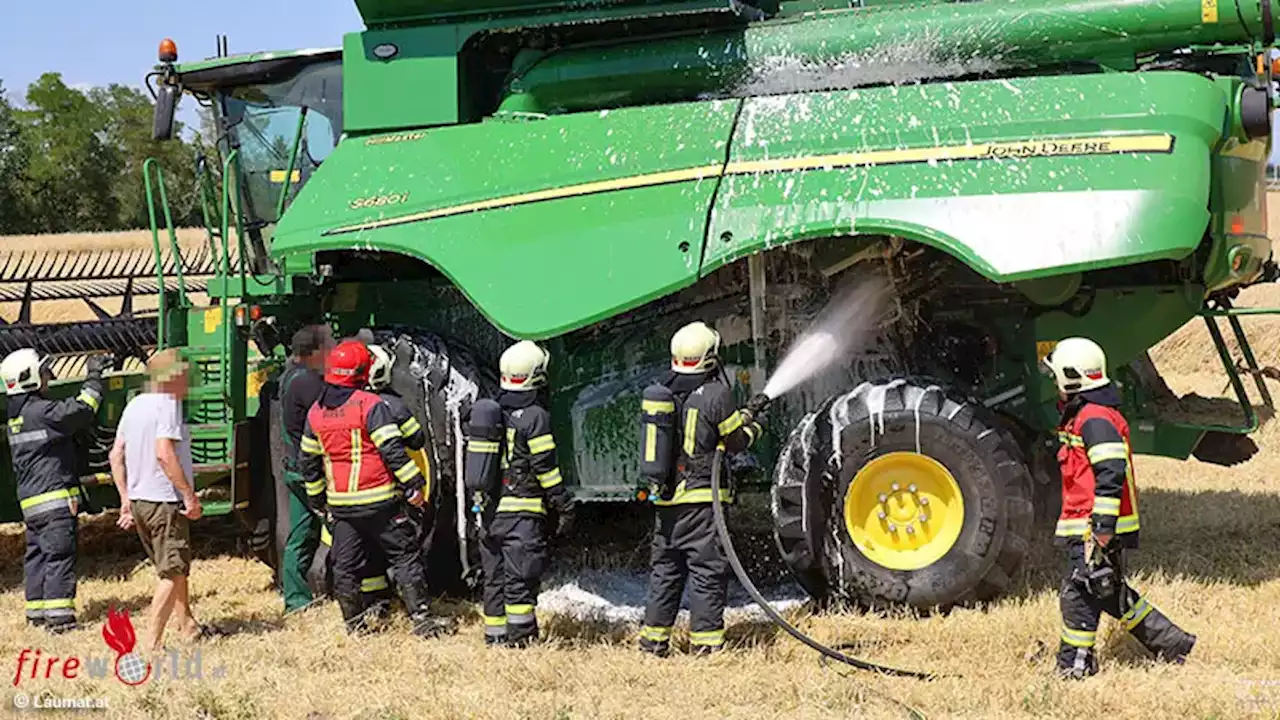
pixel 1018 178
pixel 542 224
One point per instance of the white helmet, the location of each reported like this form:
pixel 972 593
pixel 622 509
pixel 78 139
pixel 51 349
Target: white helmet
pixel 380 370
pixel 524 366
pixel 1078 364
pixel 21 371
pixel 695 348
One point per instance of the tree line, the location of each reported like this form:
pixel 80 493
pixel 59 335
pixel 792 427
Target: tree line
pixel 71 160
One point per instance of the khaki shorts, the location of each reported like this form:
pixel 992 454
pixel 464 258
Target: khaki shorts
pixel 166 536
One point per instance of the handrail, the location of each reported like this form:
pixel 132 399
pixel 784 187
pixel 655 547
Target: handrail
pixel 153 175
pixel 206 192
pixel 224 347
pixel 293 159
pixel 1233 316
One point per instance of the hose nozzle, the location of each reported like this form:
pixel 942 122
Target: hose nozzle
pixel 757 404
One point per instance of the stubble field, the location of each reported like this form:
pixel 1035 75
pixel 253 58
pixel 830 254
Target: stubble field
pixel 1210 559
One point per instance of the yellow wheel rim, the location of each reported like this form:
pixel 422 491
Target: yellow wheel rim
pixel 904 510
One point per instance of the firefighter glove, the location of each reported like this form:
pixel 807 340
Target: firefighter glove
pixel 1104 528
pixel 95 365
pixel 318 503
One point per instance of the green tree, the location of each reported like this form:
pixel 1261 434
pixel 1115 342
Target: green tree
pixel 14 213
pixel 128 115
pixel 72 167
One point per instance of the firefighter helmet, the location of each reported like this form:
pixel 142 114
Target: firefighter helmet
pixel 348 364
pixel 1078 364
pixel 695 348
pixel 22 370
pixel 524 366
pixel 380 368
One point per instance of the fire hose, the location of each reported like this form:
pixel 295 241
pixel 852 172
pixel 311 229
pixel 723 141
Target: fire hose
pixel 723 531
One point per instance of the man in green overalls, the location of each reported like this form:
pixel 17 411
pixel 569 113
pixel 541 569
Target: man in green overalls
pixel 300 385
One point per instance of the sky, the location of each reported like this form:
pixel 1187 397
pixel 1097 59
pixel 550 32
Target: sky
pixel 115 41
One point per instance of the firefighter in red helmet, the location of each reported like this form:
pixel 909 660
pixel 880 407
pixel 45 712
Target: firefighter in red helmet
pixel 1099 519
pixel 354 462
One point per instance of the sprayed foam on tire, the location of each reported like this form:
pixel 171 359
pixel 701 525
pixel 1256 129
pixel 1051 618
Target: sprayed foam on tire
pixel 831 444
pixel 439 381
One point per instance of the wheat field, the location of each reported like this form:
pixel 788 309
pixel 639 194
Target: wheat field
pixel 1210 559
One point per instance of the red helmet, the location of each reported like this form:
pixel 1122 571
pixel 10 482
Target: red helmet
pixel 348 364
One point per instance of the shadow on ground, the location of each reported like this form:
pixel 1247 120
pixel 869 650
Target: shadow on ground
pixel 108 553
pixel 1224 536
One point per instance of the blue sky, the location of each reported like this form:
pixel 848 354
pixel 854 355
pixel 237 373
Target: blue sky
pixel 98 42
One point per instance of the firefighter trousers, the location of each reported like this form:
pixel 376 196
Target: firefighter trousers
pixel 513 557
pixel 1082 609
pixel 299 547
pixel 357 537
pixel 50 568
pixel 375 585
pixel 686 547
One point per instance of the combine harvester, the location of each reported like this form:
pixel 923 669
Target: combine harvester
pixel 594 175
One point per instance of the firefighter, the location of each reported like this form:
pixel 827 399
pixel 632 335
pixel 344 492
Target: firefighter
pixel 526 484
pixel 1099 520
pixel 685 417
pixel 354 463
pixel 42 448
pixel 300 386
pixel 374 583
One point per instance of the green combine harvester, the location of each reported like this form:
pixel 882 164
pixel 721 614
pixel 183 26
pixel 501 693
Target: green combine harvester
pixel 596 174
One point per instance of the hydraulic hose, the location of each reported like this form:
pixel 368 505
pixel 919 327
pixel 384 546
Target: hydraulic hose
pixel 723 531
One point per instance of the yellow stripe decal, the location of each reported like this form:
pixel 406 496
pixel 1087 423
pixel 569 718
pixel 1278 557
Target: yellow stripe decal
pixel 410 426
pixel 541 444
pixel 657 406
pixel 550 479
pixel 1048 147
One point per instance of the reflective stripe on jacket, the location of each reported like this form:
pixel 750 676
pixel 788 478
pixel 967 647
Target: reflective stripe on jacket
pixel 42 449
pixel 711 420
pixel 353 453
pixel 1097 473
pixel 530 470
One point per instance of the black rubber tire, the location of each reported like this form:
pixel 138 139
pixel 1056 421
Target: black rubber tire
pixel 812 477
pixel 439 380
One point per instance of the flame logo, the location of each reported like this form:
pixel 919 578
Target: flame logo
pixel 118 633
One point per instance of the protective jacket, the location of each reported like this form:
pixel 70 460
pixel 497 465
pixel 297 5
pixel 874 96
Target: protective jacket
pixel 41 445
pixel 530 472
pixel 300 387
pixel 353 454
pixel 1098 489
pixel 710 419
pixel 415 437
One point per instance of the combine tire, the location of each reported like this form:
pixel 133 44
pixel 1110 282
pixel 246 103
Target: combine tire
pixel 897 494
pixel 438 381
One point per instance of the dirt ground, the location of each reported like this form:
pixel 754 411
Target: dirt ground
pixel 1210 559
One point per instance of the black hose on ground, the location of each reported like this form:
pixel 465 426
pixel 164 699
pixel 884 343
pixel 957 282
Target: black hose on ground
pixel 723 531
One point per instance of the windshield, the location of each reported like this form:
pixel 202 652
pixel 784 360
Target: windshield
pixel 263 124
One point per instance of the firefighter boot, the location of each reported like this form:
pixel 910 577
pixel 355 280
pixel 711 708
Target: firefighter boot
pixel 353 615
pixel 1076 663
pixel 1149 626
pixel 655 640
pixel 425 625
